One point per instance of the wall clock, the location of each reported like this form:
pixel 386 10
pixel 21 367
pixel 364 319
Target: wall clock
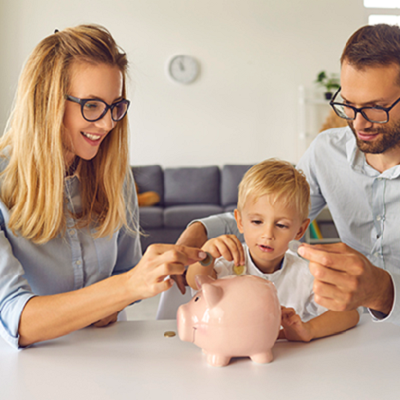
pixel 183 69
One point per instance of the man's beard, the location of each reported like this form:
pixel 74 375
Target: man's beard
pixel 389 138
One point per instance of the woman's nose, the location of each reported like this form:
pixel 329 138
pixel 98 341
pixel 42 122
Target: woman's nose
pixel 106 123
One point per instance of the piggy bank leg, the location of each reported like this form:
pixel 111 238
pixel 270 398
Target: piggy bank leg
pixel 262 358
pixel 217 360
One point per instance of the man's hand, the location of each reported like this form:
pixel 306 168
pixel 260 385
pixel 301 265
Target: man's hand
pixel 345 279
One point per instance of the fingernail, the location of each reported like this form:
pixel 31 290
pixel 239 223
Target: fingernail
pixel 202 254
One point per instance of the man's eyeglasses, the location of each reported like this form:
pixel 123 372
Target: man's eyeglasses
pixel 95 109
pixel 376 114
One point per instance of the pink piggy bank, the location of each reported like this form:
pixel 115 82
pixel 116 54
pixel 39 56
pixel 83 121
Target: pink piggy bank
pixel 236 316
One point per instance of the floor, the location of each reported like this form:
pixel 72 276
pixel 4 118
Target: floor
pixel 145 310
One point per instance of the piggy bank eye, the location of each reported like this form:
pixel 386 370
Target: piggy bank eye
pixel 196 299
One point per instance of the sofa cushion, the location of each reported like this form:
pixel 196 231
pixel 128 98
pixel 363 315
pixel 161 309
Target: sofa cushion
pixel 231 175
pixel 151 217
pixel 150 178
pixel 191 185
pixel 180 216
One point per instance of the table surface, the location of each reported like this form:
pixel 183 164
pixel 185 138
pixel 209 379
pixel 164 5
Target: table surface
pixel 133 360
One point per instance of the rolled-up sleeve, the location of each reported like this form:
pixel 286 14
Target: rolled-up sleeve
pixel 394 315
pixel 220 224
pixel 14 293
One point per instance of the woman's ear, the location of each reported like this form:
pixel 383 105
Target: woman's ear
pixel 302 229
pixel 238 218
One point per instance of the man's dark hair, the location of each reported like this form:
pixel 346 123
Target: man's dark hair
pixel 373 45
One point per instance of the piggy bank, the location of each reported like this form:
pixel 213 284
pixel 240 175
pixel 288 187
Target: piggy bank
pixel 236 316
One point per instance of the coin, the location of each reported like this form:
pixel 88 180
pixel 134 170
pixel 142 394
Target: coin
pixel 207 261
pixel 169 334
pixel 239 269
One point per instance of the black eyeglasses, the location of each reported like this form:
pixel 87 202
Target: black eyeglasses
pixel 376 114
pixel 94 109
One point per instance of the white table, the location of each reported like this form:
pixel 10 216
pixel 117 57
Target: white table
pixel 133 360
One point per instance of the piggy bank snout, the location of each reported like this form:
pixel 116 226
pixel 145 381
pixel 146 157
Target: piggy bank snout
pixel 183 325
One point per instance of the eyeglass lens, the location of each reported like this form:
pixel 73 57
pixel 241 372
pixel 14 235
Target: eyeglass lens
pixel 94 109
pixel 371 114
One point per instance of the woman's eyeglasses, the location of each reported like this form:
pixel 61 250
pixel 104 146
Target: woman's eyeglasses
pixel 95 109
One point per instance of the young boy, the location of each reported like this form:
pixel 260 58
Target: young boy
pixel 272 210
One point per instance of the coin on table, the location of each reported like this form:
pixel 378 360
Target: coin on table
pixel 239 269
pixel 169 334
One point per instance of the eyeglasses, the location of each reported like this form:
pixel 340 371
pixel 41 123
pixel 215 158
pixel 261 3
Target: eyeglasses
pixel 376 114
pixel 94 109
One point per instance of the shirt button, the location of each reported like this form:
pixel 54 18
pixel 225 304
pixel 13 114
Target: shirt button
pixel 378 218
pixel 79 262
pixel 72 232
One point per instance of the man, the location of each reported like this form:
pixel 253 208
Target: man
pixel 356 172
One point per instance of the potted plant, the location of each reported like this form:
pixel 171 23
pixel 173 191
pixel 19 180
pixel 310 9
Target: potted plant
pixel 330 82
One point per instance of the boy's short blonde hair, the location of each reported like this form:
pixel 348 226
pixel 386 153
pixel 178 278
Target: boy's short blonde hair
pixel 279 179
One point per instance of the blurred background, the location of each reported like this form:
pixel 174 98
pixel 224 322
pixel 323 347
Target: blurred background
pixel 254 55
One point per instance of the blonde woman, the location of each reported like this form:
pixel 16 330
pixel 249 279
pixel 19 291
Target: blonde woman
pixel 69 231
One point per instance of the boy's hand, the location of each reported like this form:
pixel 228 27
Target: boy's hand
pixel 227 246
pixel 294 329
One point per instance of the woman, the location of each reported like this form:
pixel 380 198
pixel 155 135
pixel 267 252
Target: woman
pixel 70 237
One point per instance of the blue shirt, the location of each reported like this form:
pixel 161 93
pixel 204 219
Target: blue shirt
pixel 364 203
pixel 68 262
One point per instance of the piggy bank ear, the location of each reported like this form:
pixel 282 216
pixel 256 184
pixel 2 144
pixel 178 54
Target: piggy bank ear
pixel 201 279
pixel 212 294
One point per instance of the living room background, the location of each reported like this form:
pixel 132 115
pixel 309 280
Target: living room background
pixel 253 55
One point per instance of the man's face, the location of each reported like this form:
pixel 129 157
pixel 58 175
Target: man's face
pixel 373 86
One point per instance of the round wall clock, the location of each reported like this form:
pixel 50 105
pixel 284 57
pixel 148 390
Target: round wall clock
pixel 183 69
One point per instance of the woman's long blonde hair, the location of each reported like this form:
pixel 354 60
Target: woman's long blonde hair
pixel 32 184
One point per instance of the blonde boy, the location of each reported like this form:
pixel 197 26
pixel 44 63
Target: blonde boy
pixel 272 210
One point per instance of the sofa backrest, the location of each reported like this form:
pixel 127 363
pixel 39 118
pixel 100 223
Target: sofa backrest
pixel 231 175
pixel 192 185
pixel 150 178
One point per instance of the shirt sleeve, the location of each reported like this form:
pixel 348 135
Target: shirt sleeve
pixel 129 247
pixel 14 293
pixel 221 224
pixel 394 315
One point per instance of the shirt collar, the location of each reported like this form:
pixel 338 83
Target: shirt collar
pixel 356 159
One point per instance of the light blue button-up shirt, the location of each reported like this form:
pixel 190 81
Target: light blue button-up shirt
pixel 364 203
pixel 69 262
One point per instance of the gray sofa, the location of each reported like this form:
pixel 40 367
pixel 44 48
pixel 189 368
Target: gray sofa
pixel 186 193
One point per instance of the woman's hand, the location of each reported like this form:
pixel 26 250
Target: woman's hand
pixel 107 320
pixel 148 278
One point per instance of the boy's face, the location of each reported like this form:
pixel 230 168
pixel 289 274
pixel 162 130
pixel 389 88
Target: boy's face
pixel 268 228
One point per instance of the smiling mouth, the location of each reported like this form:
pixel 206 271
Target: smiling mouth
pixel 91 136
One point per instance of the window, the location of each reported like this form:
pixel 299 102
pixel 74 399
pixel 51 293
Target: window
pixel 383 11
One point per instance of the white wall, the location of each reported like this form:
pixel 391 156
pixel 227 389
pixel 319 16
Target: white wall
pixel 253 54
